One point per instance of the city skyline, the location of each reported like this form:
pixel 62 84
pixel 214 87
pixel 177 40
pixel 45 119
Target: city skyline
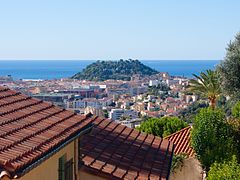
pixel 106 30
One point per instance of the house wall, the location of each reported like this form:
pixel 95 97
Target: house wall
pixel 49 168
pixel 190 170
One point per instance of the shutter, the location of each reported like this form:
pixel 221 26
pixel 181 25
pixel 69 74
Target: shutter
pixel 61 167
pixel 69 170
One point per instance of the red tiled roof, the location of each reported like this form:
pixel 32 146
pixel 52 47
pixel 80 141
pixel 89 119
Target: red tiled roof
pixel 115 151
pixel 181 139
pixel 31 128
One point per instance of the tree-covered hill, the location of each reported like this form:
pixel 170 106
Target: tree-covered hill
pixel 118 70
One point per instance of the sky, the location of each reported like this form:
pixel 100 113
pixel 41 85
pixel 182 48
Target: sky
pixel 115 29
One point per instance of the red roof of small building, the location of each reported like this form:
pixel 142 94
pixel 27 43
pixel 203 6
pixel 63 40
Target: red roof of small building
pixel 181 139
pixel 115 151
pixel 31 128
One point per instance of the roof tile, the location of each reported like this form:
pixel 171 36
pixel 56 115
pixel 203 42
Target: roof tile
pixel 181 139
pixel 125 153
pixel 31 128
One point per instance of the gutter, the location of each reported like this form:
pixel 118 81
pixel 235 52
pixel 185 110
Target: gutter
pixel 23 171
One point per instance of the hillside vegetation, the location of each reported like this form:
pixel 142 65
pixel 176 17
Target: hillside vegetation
pixel 117 70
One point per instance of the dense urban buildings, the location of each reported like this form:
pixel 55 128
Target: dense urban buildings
pixel 125 101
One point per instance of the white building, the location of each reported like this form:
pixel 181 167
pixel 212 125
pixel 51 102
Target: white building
pixel 117 114
pixel 89 102
pixel 154 82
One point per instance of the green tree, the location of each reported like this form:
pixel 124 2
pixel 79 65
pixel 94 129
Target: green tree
pixel 212 137
pixel 228 170
pixel 162 126
pixel 207 86
pixel 235 124
pixel 229 69
pixel 119 70
pixel 236 110
pixel 188 114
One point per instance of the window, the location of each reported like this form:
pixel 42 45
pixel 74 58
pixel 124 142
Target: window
pixel 65 168
pixel 69 170
pixel 61 168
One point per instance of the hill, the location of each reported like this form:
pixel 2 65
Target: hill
pixel 118 70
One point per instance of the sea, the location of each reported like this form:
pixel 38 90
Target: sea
pixel 56 69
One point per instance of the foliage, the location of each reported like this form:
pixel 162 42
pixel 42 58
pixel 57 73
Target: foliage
pixel 212 137
pixel 207 86
pixel 119 70
pixel 105 113
pixel 224 104
pixel 228 170
pixel 229 69
pixel 162 126
pixel 161 90
pixel 177 161
pixel 236 110
pixel 235 124
pixel 188 114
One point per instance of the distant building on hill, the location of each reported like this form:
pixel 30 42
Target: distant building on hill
pixel 6 79
pixel 117 114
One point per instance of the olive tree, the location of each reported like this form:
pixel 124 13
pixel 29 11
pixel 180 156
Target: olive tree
pixel 212 137
pixel 229 69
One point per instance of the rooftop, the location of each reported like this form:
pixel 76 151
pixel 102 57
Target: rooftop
pixel 115 151
pixel 31 128
pixel 181 140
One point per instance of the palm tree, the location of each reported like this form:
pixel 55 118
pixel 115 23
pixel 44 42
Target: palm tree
pixel 207 86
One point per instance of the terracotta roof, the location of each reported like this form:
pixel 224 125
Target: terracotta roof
pixel 115 151
pixel 181 139
pixel 31 129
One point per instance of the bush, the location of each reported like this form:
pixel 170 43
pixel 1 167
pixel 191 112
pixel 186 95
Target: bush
pixel 235 124
pixel 228 170
pixel 162 126
pixel 188 114
pixel 212 137
pixel 236 110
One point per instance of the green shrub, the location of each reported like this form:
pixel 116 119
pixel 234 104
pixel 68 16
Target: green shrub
pixel 212 137
pixel 162 126
pixel 236 110
pixel 228 170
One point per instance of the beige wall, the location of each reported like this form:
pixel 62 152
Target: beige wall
pixel 191 170
pixel 48 170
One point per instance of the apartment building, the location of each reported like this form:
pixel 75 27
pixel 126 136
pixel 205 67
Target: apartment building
pixel 117 114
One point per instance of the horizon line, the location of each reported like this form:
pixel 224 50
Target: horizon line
pixel 110 59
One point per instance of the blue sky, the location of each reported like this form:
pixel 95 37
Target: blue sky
pixel 114 29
